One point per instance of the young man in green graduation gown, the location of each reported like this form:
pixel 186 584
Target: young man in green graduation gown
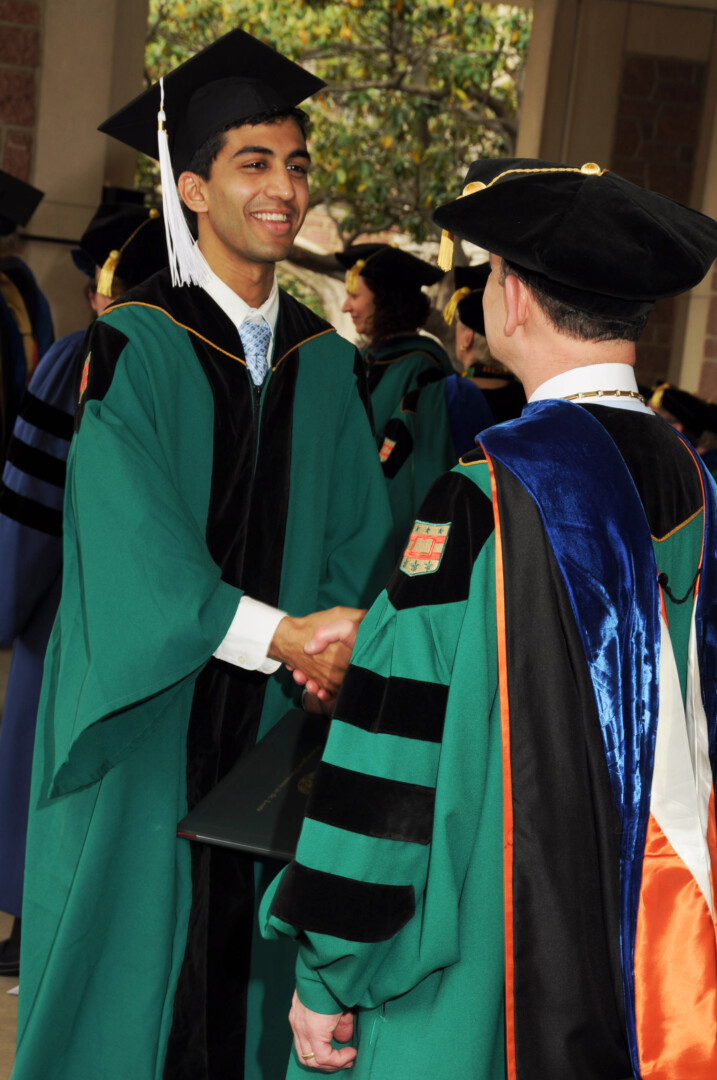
pixel 209 524
pixel 508 862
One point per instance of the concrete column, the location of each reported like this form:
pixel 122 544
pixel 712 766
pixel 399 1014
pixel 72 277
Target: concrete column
pixel 92 61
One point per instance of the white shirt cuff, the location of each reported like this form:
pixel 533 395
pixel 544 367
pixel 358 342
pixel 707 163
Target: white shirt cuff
pixel 248 638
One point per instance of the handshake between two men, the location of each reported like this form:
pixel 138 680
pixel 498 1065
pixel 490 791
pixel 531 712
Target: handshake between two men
pixel 317 649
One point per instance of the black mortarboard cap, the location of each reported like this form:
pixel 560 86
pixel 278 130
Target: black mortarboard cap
pixel 583 235
pixel 130 238
pixel 388 265
pixel 234 79
pixel 18 202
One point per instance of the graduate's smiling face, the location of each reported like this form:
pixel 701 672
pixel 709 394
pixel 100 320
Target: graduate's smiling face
pixel 255 200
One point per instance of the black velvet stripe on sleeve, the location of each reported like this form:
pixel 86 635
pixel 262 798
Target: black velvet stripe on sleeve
pixel 371 805
pixel 29 512
pixel 352 910
pixel 410 708
pixel 46 417
pixel 454 500
pixel 397 431
pixel 37 463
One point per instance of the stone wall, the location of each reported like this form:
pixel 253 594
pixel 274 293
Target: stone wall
pixel 19 60
pixel 656 137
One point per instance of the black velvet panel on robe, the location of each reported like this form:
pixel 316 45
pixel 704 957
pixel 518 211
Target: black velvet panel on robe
pixel 569 1015
pixel 371 805
pixel 245 536
pixel 343 907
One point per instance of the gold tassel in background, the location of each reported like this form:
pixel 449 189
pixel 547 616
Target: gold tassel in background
pixel 449 311
pixel 109 269
pixel 107 273
pixel 352 276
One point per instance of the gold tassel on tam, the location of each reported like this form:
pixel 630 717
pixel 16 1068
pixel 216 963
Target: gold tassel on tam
pixel 449 311
pixel 107 273
pixel 352 276
pixel 109 268
pixel 445 250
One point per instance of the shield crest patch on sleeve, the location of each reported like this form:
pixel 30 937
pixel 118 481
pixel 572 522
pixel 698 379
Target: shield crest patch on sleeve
pixel 425 548
pixel 385 451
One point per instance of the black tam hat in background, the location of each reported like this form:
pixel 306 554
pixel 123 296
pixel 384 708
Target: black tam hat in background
pixel 18 202
pixel 696 414
pixel 387 265
pixel 229 83
pixel 583 236
pixel 127 242
pixel 467 300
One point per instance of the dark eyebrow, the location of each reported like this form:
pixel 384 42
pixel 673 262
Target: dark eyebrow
pixel 298 153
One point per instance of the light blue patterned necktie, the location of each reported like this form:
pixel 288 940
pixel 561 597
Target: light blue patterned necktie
pixel 255 338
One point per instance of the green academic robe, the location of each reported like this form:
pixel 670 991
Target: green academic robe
pixel 397 366
pixel 186 487
pixel 396 896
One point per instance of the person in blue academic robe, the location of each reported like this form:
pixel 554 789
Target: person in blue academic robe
pixel 31 498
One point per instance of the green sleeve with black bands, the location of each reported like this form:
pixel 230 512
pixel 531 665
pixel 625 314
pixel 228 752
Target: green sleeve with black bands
pixel 372 901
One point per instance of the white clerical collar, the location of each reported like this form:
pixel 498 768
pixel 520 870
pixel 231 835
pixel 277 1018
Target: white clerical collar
pixel 232 304
pixel 596 379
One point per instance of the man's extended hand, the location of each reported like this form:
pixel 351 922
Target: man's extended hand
pixel 343 631
pixel 313 1033
pixel 324 669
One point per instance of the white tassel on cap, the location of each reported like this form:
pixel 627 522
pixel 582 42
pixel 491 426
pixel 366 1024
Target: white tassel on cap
pixel 185 265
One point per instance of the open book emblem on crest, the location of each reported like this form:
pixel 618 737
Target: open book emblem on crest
pixel 425 548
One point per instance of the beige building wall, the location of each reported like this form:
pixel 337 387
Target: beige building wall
pixel 587 61
pixel 91 62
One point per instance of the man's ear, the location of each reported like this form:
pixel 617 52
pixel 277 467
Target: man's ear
pixel 191 190
pixel 516 304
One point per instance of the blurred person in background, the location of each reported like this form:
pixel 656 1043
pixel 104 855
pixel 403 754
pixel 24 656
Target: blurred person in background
pixel 385 299
pixel 25 322
pixel 121 246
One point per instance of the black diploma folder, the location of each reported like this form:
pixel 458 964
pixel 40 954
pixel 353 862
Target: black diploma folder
pixel 259 806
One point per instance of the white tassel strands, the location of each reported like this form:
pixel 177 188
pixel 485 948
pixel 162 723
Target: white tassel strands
pixel 185 265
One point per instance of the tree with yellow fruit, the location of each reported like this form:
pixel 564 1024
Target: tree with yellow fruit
pixel 416 90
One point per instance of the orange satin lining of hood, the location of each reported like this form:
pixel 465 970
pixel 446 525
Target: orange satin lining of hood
pixel 675 965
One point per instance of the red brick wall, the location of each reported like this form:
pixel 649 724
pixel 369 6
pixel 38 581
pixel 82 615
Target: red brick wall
pixel 656 135
pixel 19 60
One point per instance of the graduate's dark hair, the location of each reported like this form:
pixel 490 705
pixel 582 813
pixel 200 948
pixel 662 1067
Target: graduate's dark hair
pixel 206 155
pixel 396 311
pixel 575 323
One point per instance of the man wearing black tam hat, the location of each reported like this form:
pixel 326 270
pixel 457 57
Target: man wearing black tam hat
pixel 223 473
pixel 529 890
pixel 129 238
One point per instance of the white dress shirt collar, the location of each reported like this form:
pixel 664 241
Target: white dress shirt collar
pixel 237 309
pixel 605 377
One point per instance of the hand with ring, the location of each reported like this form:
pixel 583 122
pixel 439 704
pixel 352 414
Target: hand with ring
pixel 313 1034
